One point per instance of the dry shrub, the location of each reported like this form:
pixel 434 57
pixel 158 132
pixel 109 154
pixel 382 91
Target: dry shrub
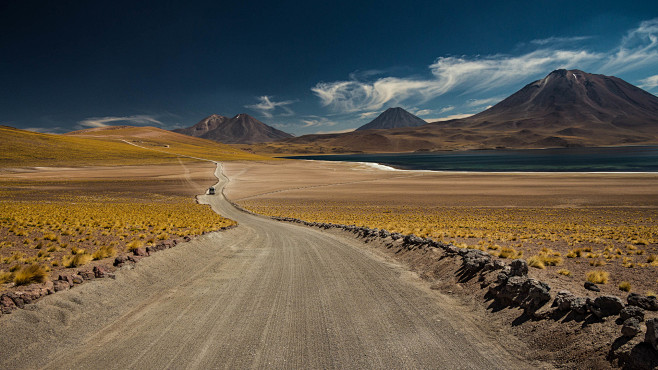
pixel 509 252
pixel 6 277
pixel 104 252
pixel 564 272
pixel 76 261
pixel 547 257
pixel 597 263
pixel 134 245
pixel 577 252
pixel 34 273
pixel 598 276
pixel 625 286
pixel 535 261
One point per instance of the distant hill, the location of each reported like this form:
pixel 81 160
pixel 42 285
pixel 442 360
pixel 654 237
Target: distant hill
pixel 166 141
pixel 393 118
pixel 565 109
pixel 241 129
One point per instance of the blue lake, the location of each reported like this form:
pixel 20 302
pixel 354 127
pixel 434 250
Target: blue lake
pixel 617 159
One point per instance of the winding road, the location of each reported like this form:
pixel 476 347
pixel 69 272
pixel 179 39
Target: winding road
pixel 263 295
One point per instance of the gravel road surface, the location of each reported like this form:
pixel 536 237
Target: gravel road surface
pixel 263 295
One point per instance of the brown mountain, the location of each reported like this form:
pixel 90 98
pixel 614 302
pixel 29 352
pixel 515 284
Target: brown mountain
pixel 207 124
pixel 574 102
pixel 241 129
pixel 393 118
pixel 564 109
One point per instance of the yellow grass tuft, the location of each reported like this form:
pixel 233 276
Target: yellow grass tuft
pixel 31 274
pixel 536 261
pixel 76 260
pixel 134 245
pixel 598 276
pixel 6 277
pixel 625 286
pixel 104 252
pixel 509 252
pixel 564 272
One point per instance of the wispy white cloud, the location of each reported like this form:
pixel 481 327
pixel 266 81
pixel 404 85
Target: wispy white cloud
pixel 424 112
pixel 478 74
pixel 446 109
pixel 335 132
pixel 317 121
pixel 454 116
pixel 266 106
pixel 649 82
pixel 481 102
pixel 559 40
pixel 138 120
pixel 638 48
pixel 368 114
pixel 448 74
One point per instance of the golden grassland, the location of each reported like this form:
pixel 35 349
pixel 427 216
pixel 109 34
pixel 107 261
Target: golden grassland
pixel 622 242
pixel 68 230
pixel 20 148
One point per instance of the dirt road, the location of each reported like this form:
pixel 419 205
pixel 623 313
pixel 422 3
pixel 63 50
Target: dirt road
pixel 263 295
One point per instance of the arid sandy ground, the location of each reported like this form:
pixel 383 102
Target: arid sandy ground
pixel 611 218
pixel 266 294
pixel 51 215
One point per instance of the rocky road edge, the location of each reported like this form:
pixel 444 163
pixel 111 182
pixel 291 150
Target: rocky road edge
pixel 19 297
pixel 507 285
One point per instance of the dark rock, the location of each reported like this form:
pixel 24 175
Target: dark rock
pixel 518 267
pixel 451 249
pixel 6 304
pixel 187 238
pixel 512 290
pixel 579 305
pixel 87 275
pixel 563 300
pixel 591 286
pixel 607 305
pixel 100 272
pixel 150 250
pixel 77 279
pixel 18 300
pixel 140 252
pixel 538 293
pixel 49 286
pixel 66 278
pixel 120 260
pixel 631 327
pixel 632 311
pixel 648 303
pixel 501 278
pixel 651 336
pixel 396 236
pixel 413 239
pixel 474 260
pixel 498 265
pixel 383 233
pixel 59 285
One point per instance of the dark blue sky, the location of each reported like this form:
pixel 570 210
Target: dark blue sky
pixel 304 66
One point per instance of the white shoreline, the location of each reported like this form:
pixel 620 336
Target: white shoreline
pixel 383 167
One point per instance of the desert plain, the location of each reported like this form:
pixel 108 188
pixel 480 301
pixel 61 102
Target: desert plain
pixel 568 225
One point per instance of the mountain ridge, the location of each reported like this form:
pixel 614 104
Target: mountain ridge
pixel 393 118
pixel 240 129
pixel 567 108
